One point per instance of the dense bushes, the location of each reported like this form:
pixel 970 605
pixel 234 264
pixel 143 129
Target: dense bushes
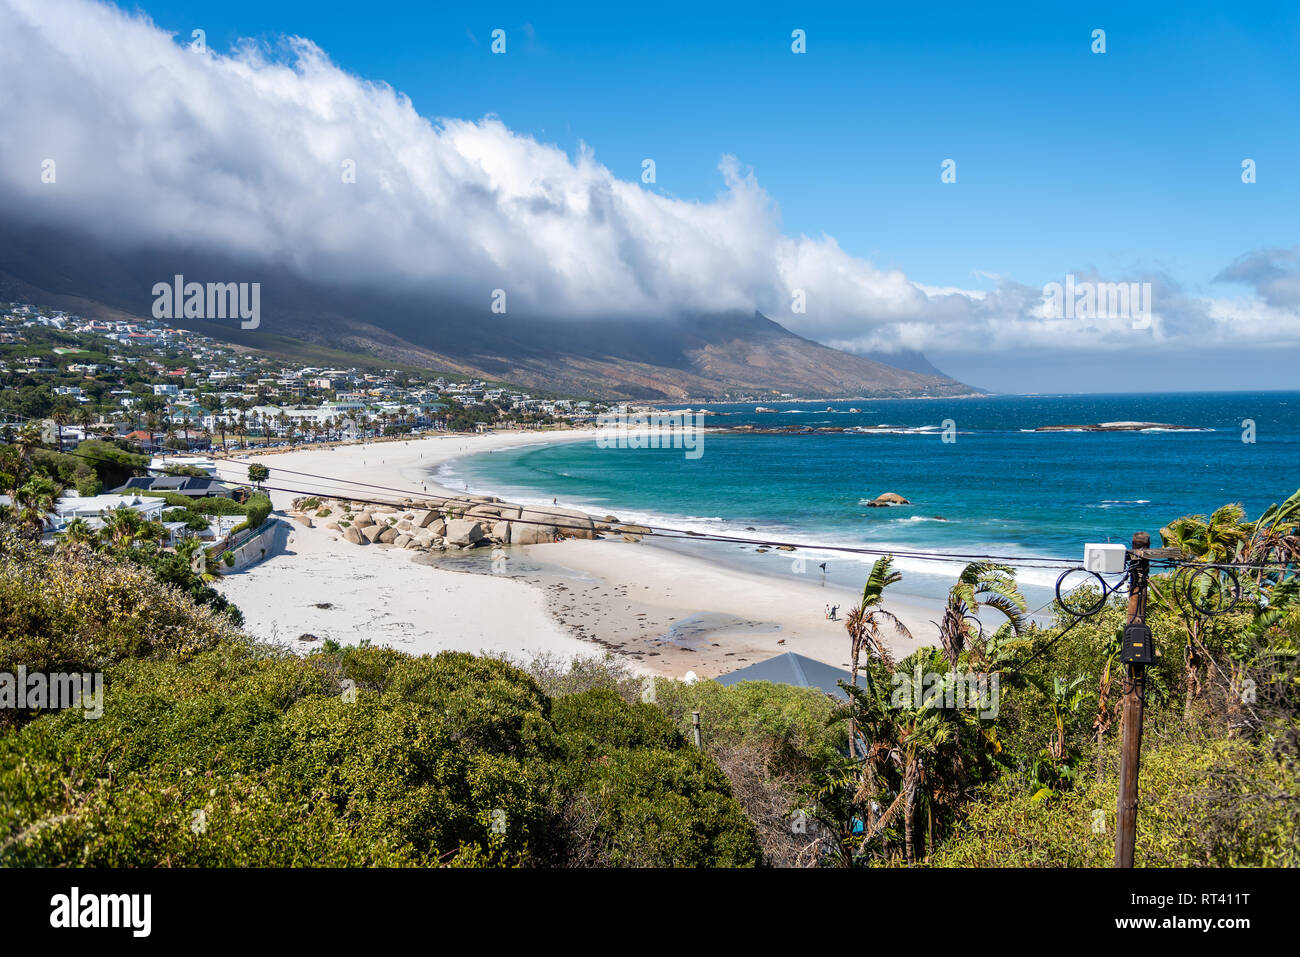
pixel 97 465
pixel 193 521
pixel 215 751
pixel 643 797
pixel 1206 801
pixel 85 611
pixel 213 505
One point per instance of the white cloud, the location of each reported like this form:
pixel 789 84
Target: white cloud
pixel 242 153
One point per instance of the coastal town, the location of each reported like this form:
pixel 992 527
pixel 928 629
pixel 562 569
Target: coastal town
pixel 173 389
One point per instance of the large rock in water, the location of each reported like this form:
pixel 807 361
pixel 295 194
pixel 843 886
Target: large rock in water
pixel 463 532
pixel 889 498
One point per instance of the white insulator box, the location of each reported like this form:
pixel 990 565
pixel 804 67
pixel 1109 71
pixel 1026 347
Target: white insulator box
pixel 1104 559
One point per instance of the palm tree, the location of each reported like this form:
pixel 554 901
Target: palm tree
pixel 864 623
pixel 980 585
pixel 28 438
pixel 60 417
pixel 76 533
pixel 123 526
pixel 1275 535
pixel 33 501
pixel 1224 537
pixel 925 733
pixel 1221 538
pixel 86 417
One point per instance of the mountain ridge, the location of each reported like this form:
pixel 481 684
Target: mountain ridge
pixel 698 357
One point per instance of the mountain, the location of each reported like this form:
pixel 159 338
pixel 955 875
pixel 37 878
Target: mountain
pixel 697 357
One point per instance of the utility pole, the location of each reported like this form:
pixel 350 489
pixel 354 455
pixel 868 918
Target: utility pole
pixel 1136 653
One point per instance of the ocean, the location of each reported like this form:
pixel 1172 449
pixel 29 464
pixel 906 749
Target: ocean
pixel 995 488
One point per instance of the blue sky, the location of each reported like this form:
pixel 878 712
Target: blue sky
pixel 1065 159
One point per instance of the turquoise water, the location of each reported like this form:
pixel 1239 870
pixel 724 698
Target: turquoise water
pixel 999 488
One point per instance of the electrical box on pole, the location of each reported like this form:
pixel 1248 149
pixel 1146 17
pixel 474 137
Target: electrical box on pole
pixel 1104 559
pixel 1137 648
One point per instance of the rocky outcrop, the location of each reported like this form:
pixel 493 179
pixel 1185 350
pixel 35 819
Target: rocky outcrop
pixel 464 521
pixel 889 498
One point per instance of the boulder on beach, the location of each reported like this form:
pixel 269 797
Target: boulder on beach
pixel 531 534
pixel 501 533
pixel 425 519
pixel 388 536
pixel 363 520
pixel 889 498
pixel 352 534
pixel 494 512
pixel 463 532
pixel 569 522
pixel 371 533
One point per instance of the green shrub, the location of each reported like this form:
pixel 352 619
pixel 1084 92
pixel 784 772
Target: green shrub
pixel 193 522
pixel 216 505
pixel 215 751
pixel 257 509
pixel 1204 802
pixel 649 799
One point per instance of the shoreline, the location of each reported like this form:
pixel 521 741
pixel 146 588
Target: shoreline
pixel 659 610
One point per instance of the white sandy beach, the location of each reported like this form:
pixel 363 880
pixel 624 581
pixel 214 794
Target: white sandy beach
pixel 658 609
